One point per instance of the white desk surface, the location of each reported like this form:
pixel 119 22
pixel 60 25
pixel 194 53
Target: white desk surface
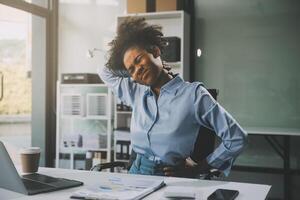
pixel 272 131
pixel 246 190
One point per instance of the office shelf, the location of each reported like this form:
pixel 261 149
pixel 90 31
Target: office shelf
pixel 84 120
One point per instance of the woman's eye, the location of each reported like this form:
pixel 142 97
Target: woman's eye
pixel 138 59
pixel 131 70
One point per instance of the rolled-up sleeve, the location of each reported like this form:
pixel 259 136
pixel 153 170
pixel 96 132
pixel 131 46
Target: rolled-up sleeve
pixel 213 116
pixel 123 87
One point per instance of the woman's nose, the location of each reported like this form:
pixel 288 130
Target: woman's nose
pixel 140 70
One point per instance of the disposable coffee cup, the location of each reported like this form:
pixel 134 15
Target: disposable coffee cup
pixel 30 158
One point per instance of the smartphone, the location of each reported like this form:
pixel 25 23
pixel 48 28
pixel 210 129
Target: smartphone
pixel 223 194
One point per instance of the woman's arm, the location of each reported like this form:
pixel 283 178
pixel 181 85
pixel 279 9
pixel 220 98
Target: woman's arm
pixel 213 116
pixel 123 87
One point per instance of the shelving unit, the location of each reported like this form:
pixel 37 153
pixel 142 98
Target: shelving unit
pixel 84 122
pixel 122 145
pixel 174 24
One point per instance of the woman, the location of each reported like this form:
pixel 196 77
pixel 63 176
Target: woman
pixel 167 112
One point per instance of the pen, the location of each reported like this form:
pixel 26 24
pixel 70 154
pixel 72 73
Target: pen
pixel 85 198
pixel 92 198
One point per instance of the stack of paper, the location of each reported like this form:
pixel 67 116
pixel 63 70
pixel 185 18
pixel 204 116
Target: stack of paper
pixel 129 188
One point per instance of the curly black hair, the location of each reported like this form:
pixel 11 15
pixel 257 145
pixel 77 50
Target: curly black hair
pixel 133 32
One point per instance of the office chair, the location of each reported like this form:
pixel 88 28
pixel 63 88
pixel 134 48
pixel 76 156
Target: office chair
pixel 198 154
pixel 204 145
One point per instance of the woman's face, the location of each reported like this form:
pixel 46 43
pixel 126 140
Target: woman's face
pixel 143 67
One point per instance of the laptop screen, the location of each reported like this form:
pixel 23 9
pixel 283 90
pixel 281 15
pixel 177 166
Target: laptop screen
pixel 10 178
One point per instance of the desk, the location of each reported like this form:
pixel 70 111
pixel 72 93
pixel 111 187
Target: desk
pixel 247 191
pixel 283 150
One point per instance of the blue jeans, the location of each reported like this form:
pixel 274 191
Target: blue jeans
pixel 142 165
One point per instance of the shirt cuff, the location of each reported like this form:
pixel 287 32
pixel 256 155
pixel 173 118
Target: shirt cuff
pixel 221 160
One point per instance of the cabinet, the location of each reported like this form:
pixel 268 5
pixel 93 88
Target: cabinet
pixel 84 124
pixel 122 145
pixel 174 24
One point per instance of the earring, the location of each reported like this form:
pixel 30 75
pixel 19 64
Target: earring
pixel 168 68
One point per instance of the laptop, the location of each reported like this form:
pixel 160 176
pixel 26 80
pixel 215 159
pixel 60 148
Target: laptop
pixel 29 184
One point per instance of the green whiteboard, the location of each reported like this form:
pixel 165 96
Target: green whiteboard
pixel 254 60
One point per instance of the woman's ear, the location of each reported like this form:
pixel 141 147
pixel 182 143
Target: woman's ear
pixel 155 51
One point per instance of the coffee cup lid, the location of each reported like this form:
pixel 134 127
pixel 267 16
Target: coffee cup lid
pixel 30 150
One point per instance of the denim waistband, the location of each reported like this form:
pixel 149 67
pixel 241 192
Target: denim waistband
pixel 151 158
pixel 146 166
pixel 150 161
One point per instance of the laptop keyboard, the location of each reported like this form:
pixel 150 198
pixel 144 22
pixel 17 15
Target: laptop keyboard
pixel 33 186
pixel 38 183
pixel 40 178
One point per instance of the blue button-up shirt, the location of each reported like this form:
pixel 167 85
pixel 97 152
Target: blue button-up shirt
pixel 166 127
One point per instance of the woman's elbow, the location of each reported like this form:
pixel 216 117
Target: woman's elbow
pixel 245 138
pixel 240 142
pixel 243 142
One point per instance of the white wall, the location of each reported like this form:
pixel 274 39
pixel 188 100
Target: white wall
pixel 84 25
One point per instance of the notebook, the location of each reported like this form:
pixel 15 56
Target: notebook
pixel 29 184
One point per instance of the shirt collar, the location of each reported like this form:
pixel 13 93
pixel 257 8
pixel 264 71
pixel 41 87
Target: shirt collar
pixel 170 87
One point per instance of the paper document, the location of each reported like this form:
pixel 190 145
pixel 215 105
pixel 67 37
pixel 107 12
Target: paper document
pixel 120 188
pixel 179 192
